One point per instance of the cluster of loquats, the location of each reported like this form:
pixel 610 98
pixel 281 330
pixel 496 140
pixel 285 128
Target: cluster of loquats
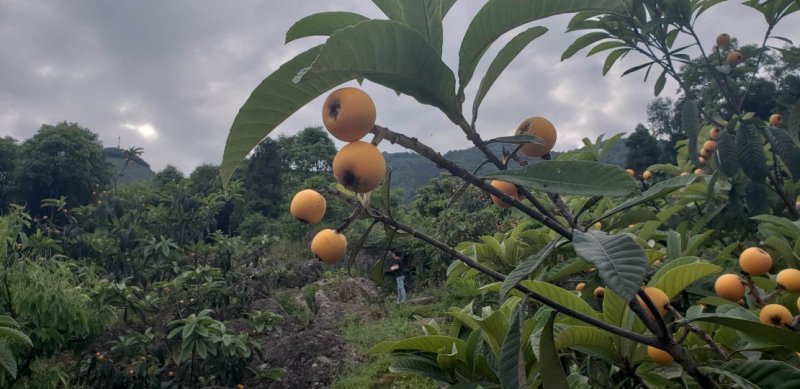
pixel 757 262
pixel 348 114
pixel 537 126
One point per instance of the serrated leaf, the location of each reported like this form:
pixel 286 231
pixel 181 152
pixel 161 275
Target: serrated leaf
pixel 322 24
pixel 501 61
pixel 679 278
pixel 690 124
pixel 411 67
pixel 525 268
pixel 272 102
pixel 783 144
pixel 751 154
pixel 586 178
pixel 726 154
pixel 660 189
pixel 620 261
pixel 511 366
pixel 497 17
pixel 551 370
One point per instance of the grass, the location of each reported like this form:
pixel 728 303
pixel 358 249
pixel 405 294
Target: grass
pixel 394 322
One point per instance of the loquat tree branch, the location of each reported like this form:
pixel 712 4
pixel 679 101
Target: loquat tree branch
pixel 691 327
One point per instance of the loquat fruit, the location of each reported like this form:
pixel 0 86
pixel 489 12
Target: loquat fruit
pixel 755 261
pixel 710 146
pixel 775 119
pixel 359 166
pixel 659 299
pixel 329 245
pixel 580 286
pixel 505 187
pixel 599 292
pixel 789 279
pixel 647 175
pixel 542 128
pixel 723 39
pixel 698 171
pixel 349 114
pixel 734 57
pixel 729 287
pixel 775 314
pixel 659 356
pixel 630 172
pixel 308 206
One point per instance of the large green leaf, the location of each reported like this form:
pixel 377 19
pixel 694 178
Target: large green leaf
pixel 584 336
pixel 503 59
pixel 418 365
pixel 15 335
pixel 561 296
pixel 272 102
pixel 751 153
pixel 726 154
pixel 670 265
pixel 429 343
pixel 660 189
pixel 755 195
pixel 550 368
pixel 511 366
pixel 620 261
pixel 525 268
pixel 423 16
pixel 322 24
pixel 679 278
pixel 586 178
pixel 783 144
pixel 690 124
pixel 500 16
pixel 765 373
pixel 786 338
pixel 7 361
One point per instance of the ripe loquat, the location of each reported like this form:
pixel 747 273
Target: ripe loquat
pixel 308 206
pixel 542 128
pixel 755 261
pixel 789 279
pixel 729 287
pixel 580 286
pixel 710 146
pixel 359 166
pixel 630 172
pixel 329 245
pixel 734 57
pixel 775 119
pixel 659 356
pixel 647 175
pixel 599 292
pixel 349 114
pixel 775 314
pixel 659 299
pixel 723 39
pixel 505 187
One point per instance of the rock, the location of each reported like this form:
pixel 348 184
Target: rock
pixel 421 300
pixel 268 305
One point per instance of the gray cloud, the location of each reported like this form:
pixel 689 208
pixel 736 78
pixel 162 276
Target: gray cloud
pixel 170 76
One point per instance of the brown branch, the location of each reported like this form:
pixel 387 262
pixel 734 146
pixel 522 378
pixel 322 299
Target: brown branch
pixel 456 170
pixel 661 327
pixel 753 290
pixel 700 333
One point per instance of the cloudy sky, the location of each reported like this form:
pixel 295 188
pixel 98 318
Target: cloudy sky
pixel 169 76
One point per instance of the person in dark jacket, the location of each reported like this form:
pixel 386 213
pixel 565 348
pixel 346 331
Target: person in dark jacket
pixel 397 270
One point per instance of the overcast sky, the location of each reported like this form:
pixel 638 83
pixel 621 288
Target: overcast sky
pixel 169 76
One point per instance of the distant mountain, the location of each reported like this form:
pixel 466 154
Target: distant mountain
pixel 138 170
pixel 411 171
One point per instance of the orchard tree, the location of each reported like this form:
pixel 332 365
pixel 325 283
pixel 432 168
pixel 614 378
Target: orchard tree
pixel 308 153
pixel 8 156
pixel 263 179
pixel 643 149
pixel 204 179
pixel 168 175
pixel 645 314
pixel 61 160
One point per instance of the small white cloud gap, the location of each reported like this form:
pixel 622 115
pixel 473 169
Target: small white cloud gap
pixel 145 130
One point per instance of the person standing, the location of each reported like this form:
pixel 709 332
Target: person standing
pixel 396 269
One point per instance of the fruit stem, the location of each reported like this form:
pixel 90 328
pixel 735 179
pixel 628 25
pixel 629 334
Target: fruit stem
pixel 699 332
pixel 753 290
pixel 353 216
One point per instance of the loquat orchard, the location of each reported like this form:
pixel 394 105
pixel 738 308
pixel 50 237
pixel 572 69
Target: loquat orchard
pixel 542 128
pixel 308 206
pixel 359 166
pixel 329 245
pixel 349 114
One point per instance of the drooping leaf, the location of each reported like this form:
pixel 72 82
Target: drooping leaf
pixel 501 61
pixel 553 376
pixel 427 343
pixel 674 244
pixel 726 154
pixel 661 81
pixel 517 139
pixel 783 144
pixel 765 373
pixel 411 67
pixel 755 195
pixel 511 366
pixel 525 268
pixel 676 280
pixel 587 178
pixel 636 216
pixel 418 365
pixel 776 335
pixel 620 261
pixel 660 189
pixel 423 16
pixel 7 361
pixel 497 17
pixel 584 336
pixel 751 153
pixel 583 41
pixel 612 58
pixel 272 102
pixel 690 124
pixel 322 24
